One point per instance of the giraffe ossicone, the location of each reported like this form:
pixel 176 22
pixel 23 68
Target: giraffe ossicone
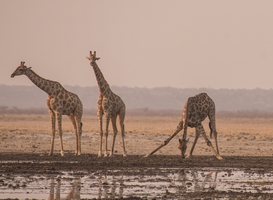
pixel 60 102
pixel 110 105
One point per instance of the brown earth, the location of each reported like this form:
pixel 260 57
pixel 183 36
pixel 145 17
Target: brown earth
pixel 242 142
pixel 25 143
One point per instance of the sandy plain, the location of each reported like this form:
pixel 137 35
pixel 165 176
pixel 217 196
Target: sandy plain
pixel 31 134
pixel 244 143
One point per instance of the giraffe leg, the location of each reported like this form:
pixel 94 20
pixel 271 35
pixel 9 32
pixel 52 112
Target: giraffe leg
pixel 121 122
pixel 106 134
pixel 115 130
pixel 59 119
pixel 76 130
pixel 100 115
pixel 52 117
pixel 197 134
pixel 200 129
pixel 212 126
pixel 79 135
pixel 164 143
pixel 101 137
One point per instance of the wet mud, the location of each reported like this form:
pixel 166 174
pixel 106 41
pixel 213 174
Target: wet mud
pixel 135 177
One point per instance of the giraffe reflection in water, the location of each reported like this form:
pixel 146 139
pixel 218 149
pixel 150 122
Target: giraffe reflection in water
pixel 194 181
pixel 55 190
pixel 108 189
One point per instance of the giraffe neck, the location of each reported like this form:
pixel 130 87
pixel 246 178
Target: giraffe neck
pixel 102 83
pixel 43 84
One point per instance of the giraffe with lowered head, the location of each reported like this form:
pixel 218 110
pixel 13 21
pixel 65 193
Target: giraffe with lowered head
pixel 60 102
pixel 196 109
pixel 109 104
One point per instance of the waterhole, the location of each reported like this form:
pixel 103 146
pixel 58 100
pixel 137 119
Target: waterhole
pixel 139 183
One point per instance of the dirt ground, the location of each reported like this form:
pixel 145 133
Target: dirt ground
pixel 25 143
pixel 242 143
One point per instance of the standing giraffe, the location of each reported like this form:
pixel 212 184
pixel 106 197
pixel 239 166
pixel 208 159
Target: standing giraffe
pixel 60 102
pixel 109 104
pixel 195 111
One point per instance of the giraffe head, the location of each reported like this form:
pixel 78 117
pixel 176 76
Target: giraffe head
pixel 21 70
pixel 183 146
pixel 92 58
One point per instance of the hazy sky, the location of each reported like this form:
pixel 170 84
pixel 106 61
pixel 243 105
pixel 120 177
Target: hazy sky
pixel 143 43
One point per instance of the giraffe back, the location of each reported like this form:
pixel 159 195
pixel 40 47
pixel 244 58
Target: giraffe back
pixel 197 108
pixel 65 102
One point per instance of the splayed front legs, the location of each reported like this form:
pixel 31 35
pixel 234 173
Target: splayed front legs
pixel 164 143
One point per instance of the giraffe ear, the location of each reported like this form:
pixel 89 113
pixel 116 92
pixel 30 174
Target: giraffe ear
pixel 88 58
pixel 29 67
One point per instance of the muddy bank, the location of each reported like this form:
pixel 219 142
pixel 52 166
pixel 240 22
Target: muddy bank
pixel 36 163
pixel 36 176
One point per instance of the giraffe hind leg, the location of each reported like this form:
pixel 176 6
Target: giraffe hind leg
pixel 59 119
pixel 200 128
pixel 77 129
pixel 121 122
pixel 210 130
pixel 212 125
pixel 115 130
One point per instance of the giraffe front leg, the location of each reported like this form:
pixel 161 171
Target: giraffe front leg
pixel 101 137
pixel 106 135
pixel 59 119
pixel 197 134
pixel 201 129
pixel 52 117
pixel 164 143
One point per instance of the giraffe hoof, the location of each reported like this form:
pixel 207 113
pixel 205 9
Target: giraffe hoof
pixel 188 156
pixel 219 157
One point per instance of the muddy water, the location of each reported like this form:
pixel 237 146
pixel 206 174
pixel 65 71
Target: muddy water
pixel 216 183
